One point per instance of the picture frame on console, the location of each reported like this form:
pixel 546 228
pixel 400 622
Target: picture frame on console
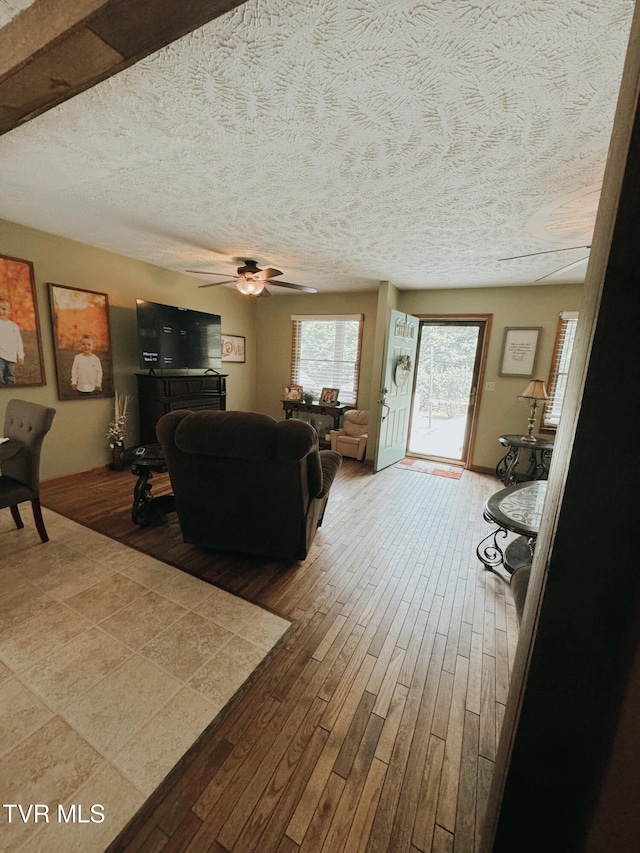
pixel 81 342
pixel 20 336
pixel 329 396
pixel 292 392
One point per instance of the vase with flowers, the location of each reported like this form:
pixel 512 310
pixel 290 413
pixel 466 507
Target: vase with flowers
pixel 117 431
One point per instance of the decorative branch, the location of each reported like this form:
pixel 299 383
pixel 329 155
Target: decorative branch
pixel 117 431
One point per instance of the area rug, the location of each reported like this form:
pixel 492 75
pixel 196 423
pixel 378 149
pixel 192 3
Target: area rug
pixel 453 472
pixel 112 665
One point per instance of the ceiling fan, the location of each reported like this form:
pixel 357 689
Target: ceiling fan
pixel 548 252
pixel 252 280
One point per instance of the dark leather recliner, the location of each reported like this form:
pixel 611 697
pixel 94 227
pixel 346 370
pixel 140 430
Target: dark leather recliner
pixel 246 482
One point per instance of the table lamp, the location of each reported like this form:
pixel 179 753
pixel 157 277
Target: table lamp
pixel 534 391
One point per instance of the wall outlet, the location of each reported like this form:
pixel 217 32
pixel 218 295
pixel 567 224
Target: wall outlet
pixel 489 386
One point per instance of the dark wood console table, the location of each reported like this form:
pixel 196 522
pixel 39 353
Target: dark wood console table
pixel 158 394
pixel 335 412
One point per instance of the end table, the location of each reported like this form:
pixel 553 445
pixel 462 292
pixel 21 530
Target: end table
pixel 539 459
pixel 145 460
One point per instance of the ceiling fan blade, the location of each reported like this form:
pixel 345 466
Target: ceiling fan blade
pixel 563 269
pixel 548 252
pixel 265 292
pixel 216 283
pixel 293 286
pixel 206 272
pixel 268 272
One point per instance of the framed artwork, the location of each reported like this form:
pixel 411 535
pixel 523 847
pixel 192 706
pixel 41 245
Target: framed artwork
pixel 519 349
pixel 21 361
pixel 292 392
pixel 81 342
pixel 233 348
pixel 329 396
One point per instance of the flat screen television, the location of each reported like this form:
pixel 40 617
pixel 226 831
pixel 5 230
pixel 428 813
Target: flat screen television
pixel 172 338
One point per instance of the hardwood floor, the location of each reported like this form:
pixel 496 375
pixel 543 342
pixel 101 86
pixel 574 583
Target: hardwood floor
pixel 374 727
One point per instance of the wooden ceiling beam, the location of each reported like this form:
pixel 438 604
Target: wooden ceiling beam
pixel 55 49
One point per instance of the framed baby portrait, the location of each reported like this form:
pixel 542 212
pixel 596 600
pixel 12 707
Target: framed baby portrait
pixel 21 361
pixel 81 342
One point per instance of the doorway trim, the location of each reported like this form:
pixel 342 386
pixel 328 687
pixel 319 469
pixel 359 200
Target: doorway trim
pixel 487 319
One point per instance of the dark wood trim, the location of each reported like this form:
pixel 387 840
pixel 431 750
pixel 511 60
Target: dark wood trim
pixel 55 49
pixel 482 469
pixel 487 319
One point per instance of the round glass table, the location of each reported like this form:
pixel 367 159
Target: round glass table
pixel 516 509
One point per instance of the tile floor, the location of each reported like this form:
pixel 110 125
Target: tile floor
pixel 111 665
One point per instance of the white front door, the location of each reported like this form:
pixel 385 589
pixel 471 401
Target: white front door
pixel 397 389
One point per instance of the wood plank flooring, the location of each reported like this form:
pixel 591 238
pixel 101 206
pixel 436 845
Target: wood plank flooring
pixel 374 727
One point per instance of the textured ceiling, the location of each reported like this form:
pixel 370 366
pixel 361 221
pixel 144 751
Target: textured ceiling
pixel 10 8
pixel 343 141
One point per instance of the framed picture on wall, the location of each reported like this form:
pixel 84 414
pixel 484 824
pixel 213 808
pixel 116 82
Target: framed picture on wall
pixel 233 348
pixel 519 349
pixel 21 362
pixel 81 342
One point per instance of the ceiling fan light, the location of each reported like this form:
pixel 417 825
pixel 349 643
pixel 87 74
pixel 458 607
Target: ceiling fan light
pixel 250 287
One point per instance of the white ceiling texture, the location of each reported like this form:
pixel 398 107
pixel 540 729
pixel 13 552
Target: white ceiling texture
pixel 344 142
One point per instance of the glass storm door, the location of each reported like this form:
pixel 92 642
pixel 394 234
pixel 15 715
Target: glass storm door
pixel 445 388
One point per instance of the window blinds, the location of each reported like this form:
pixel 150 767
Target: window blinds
pixel 560 367
pixel 325 353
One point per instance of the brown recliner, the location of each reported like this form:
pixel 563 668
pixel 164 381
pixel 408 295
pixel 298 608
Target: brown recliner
pixel 246 482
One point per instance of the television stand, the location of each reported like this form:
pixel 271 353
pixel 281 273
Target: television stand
pixel 158 395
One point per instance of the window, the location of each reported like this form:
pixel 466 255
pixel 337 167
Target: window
pixel 557 385
pixel 325 353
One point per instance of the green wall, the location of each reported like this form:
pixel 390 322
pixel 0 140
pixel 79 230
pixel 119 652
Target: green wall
pixel 500 412
pixel 274 341
pixel 77 441
pixel 78 438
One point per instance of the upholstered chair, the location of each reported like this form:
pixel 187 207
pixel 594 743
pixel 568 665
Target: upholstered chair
pixel 351 438
pixel 245 482
pixel 25 426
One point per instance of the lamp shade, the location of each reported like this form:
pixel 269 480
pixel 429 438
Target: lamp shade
pixel 535 390
pixel 250 286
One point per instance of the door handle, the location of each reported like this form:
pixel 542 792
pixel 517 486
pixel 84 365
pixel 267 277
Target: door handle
pixel 383 397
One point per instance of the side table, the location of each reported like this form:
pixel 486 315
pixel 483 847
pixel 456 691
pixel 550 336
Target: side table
pixel 538 461
pixel 146 460
pixel 516 509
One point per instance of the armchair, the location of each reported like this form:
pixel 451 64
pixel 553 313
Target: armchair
pixel 351 438
pixel 246 482
pixel 25 425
